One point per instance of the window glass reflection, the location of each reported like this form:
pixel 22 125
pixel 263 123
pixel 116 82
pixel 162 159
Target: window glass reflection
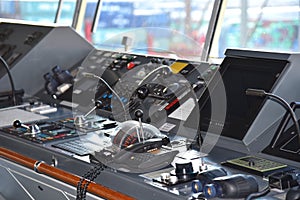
pixel 262 24
pixel 38 11
pixel 166 27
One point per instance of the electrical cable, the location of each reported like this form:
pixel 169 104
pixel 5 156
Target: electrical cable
pixel 278 99
pixel 258 194
pixel 13 90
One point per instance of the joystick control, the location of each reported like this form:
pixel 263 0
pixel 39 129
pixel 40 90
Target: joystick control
pixel 98 105
pixel 32 129
pixel 80 120
pixel 139 114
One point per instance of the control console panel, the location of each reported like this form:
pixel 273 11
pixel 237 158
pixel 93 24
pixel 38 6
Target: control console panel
pixel 165 89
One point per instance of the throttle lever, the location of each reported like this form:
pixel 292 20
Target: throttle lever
pixel 32 129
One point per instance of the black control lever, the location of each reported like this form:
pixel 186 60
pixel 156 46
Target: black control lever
pixel 81 119
pixel 98 105
pixel 32 129
pixel 149 91
pixel 139 114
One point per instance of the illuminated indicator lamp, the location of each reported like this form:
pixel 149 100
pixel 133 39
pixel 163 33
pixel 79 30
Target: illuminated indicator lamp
pixel 197 186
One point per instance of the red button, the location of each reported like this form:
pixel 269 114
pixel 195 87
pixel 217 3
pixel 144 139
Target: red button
pixel 130 65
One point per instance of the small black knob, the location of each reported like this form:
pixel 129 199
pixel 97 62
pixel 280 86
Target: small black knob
pixel 17 124
pixel 99 104
pixel 165 141
pixel 31 103
pixel 139 113
pixel 142 92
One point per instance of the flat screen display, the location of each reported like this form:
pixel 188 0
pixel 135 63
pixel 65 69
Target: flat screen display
pixel 238 74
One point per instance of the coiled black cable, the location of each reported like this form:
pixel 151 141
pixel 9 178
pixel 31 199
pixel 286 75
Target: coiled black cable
pixel 88 177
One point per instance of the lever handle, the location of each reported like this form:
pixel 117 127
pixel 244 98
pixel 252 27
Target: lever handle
pixel 18 124
pixel 32 129
pixel 139 113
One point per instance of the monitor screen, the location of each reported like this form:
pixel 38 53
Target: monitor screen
pixel 238 74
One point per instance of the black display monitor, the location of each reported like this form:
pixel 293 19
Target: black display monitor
pixel 238 73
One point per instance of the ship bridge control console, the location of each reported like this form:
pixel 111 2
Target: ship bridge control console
pixel 138 116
